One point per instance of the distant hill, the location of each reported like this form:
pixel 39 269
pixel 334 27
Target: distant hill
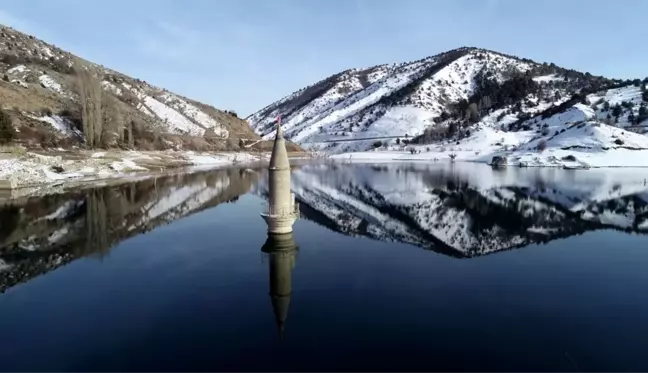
pixel 445 98
pixel 41 91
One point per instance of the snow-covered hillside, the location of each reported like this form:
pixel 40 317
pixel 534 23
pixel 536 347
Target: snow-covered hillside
pixel 444 99
pixel 469 210
pixel 40 89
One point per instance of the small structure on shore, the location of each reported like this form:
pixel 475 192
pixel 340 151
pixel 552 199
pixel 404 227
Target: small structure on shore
pixel 281 211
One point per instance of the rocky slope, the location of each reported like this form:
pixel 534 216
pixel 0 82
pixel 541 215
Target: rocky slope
pixel 447 98
pixel 39 89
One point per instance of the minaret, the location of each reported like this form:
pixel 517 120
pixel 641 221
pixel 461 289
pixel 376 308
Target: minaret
pixel 281 210
pixel 281 250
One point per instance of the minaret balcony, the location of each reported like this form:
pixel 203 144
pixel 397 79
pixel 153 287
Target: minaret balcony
pixel 280 211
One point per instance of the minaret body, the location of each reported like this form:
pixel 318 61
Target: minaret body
pixel 281 211
pixel 281 250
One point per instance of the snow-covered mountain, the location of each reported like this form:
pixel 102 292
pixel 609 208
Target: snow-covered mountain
pixel 469 210
pixel 38 235
pixel 448 97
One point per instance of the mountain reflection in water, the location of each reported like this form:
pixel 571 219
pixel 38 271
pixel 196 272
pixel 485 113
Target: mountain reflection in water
pixel 351 290
pixel 457 210
pixel 40 234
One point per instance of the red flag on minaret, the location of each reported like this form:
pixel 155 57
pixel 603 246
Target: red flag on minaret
pixel 278 118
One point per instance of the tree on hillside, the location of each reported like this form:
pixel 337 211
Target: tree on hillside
pixel 616 111
pixel 113 121
pixel 7 132
pixel 89 90
pixel 643 113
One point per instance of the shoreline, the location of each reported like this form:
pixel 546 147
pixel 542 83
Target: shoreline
pixel 26 173
pixel 551 158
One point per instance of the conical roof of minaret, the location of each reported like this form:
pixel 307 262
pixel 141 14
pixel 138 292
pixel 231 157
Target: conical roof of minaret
pixel 280 306
pixel 279 157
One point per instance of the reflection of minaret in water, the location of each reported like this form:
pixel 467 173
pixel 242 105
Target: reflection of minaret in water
pixel 281 250
pixel 281 211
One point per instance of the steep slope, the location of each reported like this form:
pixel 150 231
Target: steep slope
pixel 445 97
pixel 39 89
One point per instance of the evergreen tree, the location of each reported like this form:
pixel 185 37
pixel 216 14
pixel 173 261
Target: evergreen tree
pixel 616 111
pixel 643 114
pixel 7 132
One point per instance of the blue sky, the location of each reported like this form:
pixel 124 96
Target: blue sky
pixel 245 54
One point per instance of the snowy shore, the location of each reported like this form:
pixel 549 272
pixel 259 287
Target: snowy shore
pixel 588 144
pixel 20 169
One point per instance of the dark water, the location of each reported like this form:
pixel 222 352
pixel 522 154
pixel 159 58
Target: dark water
pixel 398 267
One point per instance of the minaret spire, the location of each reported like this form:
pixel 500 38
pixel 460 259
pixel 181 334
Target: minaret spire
pixel 281 211
pixel 279 133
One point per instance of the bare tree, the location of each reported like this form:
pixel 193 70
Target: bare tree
pixel 89 90
pixel 113 122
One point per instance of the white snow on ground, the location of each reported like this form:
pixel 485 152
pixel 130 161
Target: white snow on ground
pixel 353 109
pixel 20 83
pixel 547 78
pixel 141 107
pixel 623 221
pixel 194 113
pixel 98 155
pixel 48 82
pixel 111 87
pixel 618 95
pixel 50 175
pixel 47 51
pixel 4 265
pixel 33 169
pixel 58 235
pixel 61 212
pixel 60 124
pixel 593 144
pixel 126 165
pixel 17 69
pixel 175 121
pixel 402 120
pixel 213 159
pixel 182 200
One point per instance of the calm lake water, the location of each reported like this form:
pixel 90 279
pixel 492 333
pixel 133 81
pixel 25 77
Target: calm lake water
pixel 390 267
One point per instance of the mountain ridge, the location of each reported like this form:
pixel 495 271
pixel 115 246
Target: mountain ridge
pixel 436 92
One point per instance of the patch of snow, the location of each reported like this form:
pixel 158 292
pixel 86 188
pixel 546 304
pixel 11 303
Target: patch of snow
pixel 126 165
pixel 111 87
pixel 58 235
pixel 61 212
pixel 18 69
pixel 47 51
pixel 20 83
pixel 48 82
pixel 548 78
pixel 195 114
pixel 175 121
pixel 4 265
pixel 60 124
